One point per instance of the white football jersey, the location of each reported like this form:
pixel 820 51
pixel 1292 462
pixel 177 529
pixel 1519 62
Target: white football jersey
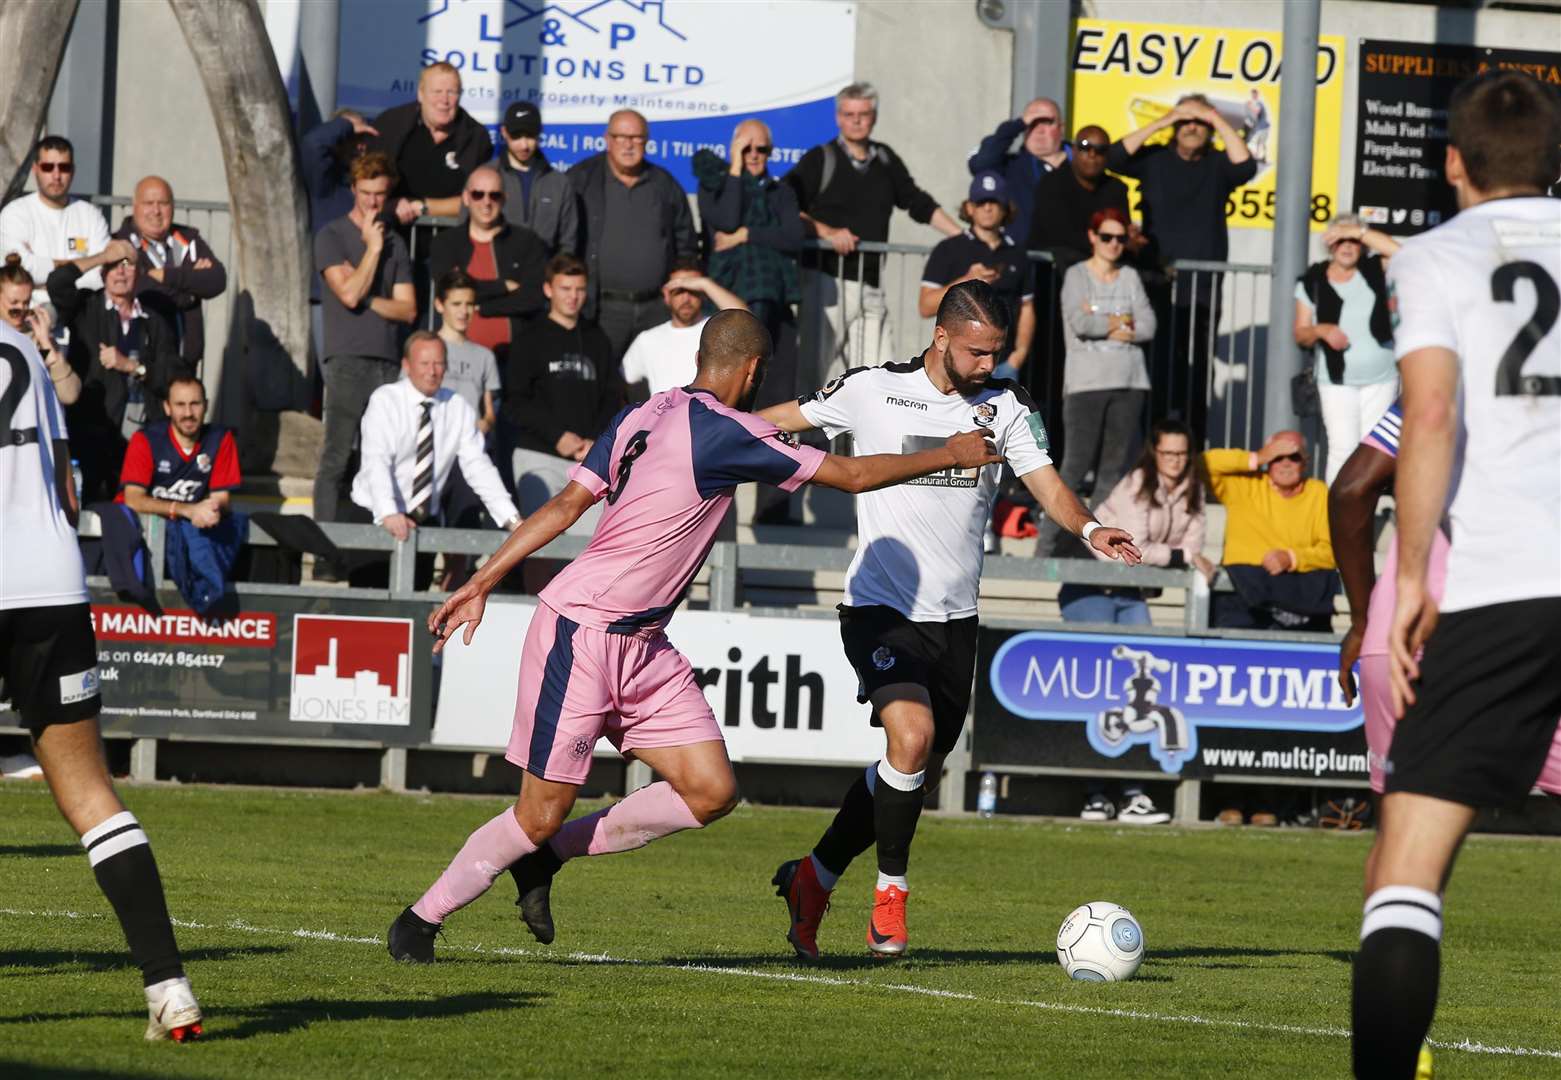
pixel 40 564
pixel 1487 285
pixel 919 544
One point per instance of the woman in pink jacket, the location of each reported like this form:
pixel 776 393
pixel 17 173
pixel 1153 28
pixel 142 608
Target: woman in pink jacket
pixel 1161 503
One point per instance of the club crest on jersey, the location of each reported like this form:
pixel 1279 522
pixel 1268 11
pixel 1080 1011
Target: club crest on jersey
pixel 203 462
pixel 789 438
pixel 830 387
pixel 883 659
pixel 985 413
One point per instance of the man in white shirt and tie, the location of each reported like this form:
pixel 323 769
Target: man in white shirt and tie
pixel 413 433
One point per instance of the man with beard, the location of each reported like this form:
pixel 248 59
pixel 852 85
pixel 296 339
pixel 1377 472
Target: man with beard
pixel 182 467
pixel 909 618
pixel 597 661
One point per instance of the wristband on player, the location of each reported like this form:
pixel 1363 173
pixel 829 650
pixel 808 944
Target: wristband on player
pixel 1089 529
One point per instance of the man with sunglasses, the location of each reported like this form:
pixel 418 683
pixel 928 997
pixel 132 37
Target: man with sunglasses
pixel 505 262
pixel 1066 200
pixel 1042 151
pixel 48 228
pixel 1278 549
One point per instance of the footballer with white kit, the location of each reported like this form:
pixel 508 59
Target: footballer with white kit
pixel 909 618
pixel 1477 301
pixel 50 658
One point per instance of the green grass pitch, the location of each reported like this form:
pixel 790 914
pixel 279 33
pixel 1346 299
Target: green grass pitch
pixel 670 961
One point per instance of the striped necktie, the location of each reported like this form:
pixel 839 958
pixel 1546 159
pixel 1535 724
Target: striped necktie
pixel 423 473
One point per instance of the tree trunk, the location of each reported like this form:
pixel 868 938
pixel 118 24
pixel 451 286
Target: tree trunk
pixel 267 361
pixel 27 79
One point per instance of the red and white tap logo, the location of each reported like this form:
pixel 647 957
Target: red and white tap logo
pixel 351 670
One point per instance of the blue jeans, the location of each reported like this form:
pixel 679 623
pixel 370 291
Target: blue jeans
pixel 1086 603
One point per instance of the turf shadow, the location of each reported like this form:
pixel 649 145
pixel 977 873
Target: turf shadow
pixel 34 1071
pixel 282 1017
pixel 41 961
pixel 1226 952
pixel 41 851
pixel 857 961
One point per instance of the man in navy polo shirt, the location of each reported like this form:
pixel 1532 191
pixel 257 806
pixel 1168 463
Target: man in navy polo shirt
pixel 182 468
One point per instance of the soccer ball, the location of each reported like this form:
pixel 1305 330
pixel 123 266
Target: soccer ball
pixel 1100 942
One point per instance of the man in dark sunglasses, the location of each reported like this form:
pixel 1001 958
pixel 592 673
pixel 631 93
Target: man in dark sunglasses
pixel 1043 150
pixel 505 262
pixel 1278 549
pixel 48 228
pixel 1066 199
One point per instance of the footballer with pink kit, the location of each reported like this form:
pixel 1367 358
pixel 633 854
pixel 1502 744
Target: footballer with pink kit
pixel 1351 503
pixel 596 661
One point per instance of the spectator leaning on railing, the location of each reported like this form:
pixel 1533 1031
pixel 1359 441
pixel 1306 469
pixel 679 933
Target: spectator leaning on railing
pixel 175 263
pixel 1042 150
pixel 536 195
pixel 505 262
pixel 124 350
pixel 434 144
pixel 368 297
pixel 1107 318
pixel 1343 314
pixel 984 252
pixel 847 190
pixel 1278 550
pixel 181 467
pixel 17 311
pixel 751 229
pixel 48 228
pixel 1160 502
pixel 636 223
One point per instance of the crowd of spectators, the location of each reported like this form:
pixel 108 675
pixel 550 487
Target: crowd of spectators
pixel 558 295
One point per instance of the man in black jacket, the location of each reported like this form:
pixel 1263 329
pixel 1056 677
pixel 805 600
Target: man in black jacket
pixel 536 195
pixel 506 262
pixel 434 144
pixel 123 347
pixel 635 224
pixel 173 262
pixel 561 388
pixel 847 191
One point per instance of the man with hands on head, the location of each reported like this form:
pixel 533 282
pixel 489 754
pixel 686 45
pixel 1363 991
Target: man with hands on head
pixel 665 356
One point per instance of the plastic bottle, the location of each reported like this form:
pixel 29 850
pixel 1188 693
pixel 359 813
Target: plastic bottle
pixel 75 471
pixel 986 800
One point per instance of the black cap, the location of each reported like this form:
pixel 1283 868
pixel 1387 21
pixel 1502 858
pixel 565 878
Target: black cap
pixel 522 118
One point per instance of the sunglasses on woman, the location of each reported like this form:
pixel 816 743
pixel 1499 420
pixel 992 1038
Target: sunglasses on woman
pixel 763 151
pixel 1112 237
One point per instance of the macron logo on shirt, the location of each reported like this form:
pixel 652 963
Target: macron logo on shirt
pixel 905 403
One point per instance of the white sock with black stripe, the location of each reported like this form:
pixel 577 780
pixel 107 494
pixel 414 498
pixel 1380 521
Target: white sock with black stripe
pixel 121 859
pixel 1396 974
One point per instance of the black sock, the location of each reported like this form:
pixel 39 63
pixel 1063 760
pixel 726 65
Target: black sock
pixel 122 862
pixel 1396 973
pixel 852 831
pixel 895 813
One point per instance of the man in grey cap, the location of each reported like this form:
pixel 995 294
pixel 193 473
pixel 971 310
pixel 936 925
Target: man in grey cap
pixel 537 196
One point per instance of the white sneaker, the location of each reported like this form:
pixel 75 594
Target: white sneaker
pixel 174 1012
pixel 1098 808
pixel 20 767
pixel 1140 810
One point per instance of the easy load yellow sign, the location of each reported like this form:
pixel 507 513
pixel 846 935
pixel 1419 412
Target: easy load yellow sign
pixel 1127 74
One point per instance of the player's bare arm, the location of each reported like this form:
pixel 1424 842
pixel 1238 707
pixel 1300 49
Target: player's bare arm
pixel 967 450
pixel 787 416
pixel 1425 465
pixel 1352 500
pixel 465 606
pixel 1064 507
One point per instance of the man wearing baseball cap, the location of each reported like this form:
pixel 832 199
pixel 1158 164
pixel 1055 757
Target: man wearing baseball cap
pixel 537 196
pixel 985 252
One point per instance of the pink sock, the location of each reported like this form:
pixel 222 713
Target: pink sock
pixel 643 816
pixel 487 853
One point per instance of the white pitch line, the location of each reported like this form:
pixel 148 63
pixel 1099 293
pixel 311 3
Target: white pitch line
pixel 1465 1045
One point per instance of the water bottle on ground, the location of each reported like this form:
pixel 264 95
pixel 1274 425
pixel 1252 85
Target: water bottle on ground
pixel 986 800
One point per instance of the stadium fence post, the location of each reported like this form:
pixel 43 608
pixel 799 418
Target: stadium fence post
pixel 723 576
pixel 143 760
pixel 393 768
pixel 403 566
pixel 1189 797
pixel 156 530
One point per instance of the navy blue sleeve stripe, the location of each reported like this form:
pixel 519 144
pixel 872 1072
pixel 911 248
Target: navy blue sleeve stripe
pixel 599 460
pixel 727 454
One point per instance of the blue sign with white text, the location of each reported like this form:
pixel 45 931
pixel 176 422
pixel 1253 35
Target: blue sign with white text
pixel 1158 692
